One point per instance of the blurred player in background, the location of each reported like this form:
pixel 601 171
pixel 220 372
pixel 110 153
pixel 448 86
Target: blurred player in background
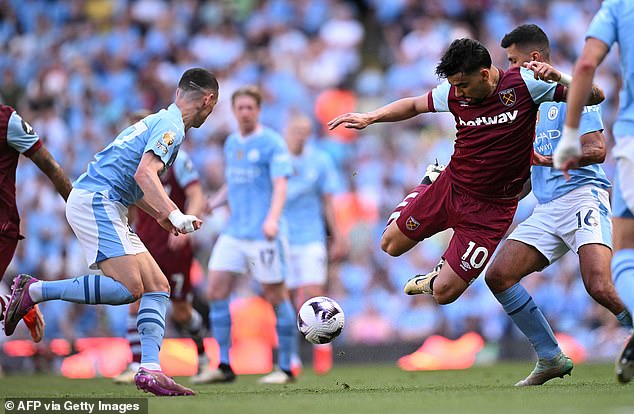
pixel 477 194
pixel 613 23
pixel 175 256
pixel 572 215
pixel 17 137
pixel 128 172
pixel 257 168
pixel 309 214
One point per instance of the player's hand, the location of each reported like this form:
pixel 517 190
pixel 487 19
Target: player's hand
pixel 568 151
pixel 543 71
pixel 542 160
pixel 176 242
pixel 270 228
pixel 350 120
pixel 184 223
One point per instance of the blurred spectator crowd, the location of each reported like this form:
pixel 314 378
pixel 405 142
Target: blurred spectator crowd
pixel 76 69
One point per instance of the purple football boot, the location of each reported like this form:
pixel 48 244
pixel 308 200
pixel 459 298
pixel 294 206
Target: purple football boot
pixel 157 383
pixel 20 303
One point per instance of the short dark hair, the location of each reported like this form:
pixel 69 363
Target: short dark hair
pixel 198 79
pixel 527 35
pixel 249 90
pixel 463 56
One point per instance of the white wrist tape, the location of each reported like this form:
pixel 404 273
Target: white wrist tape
pixel 183 222
pixel 569 147
pixel 565 79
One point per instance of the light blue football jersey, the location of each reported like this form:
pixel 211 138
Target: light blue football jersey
pixel 615 23
pixel 251 164
pixel 549 183
pixel 112 170
pixel 314 175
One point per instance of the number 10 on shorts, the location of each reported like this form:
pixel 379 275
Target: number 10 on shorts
pixel 477 257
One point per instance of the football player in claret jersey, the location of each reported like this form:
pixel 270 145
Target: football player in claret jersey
pixel 572 215
pixel 257 167
pixel 124 173
pixel 477 194
pixel 309 214
pixel 613 23
pixel 17 137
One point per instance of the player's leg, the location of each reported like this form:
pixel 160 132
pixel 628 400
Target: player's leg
pixel 189 320
pixel 268 264
pixel 226 263
pixel 307 279
pixel 514 260
pixel 101 227
pixel 623 276
pixel 151 326
pixel 134 341
pixel 277 295
pixel 590 235
pixel 594 263
pixel 394 242
pixel 89 289
pixel 34 320
pixel 186 318
pixel 422 213
pixel 623 259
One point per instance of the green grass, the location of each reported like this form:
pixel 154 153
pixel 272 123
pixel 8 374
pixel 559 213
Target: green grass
pixel 367 389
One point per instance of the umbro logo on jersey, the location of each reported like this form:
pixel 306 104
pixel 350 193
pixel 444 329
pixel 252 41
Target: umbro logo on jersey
pixel 507 96
pixel 502 118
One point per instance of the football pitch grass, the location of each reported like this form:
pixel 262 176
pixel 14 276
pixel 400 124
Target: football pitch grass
pixel 366 389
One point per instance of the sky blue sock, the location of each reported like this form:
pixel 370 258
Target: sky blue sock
pixel 519 305
pixel 221 327
pixel 91 289
pixel 151 325
pixel 623 275
pixel 286 334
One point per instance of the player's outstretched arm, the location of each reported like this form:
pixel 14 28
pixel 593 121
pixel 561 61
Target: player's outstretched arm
pixel 547 72
pixel 47 164
pixel 396 111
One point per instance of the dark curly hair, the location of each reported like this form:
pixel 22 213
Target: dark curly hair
pixel 463 56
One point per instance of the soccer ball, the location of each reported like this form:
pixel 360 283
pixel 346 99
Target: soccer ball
pixel 320 320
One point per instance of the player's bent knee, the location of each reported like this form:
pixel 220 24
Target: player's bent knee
pixel 445 293
pixel 135 288
pixel 445 297
pixel 497 281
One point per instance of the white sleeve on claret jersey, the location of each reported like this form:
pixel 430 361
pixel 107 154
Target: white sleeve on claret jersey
pixel 540 90
pixel 20 135
pixel 440 97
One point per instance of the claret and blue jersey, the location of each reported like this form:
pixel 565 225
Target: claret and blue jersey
pixel 112 171
pixel 550 183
